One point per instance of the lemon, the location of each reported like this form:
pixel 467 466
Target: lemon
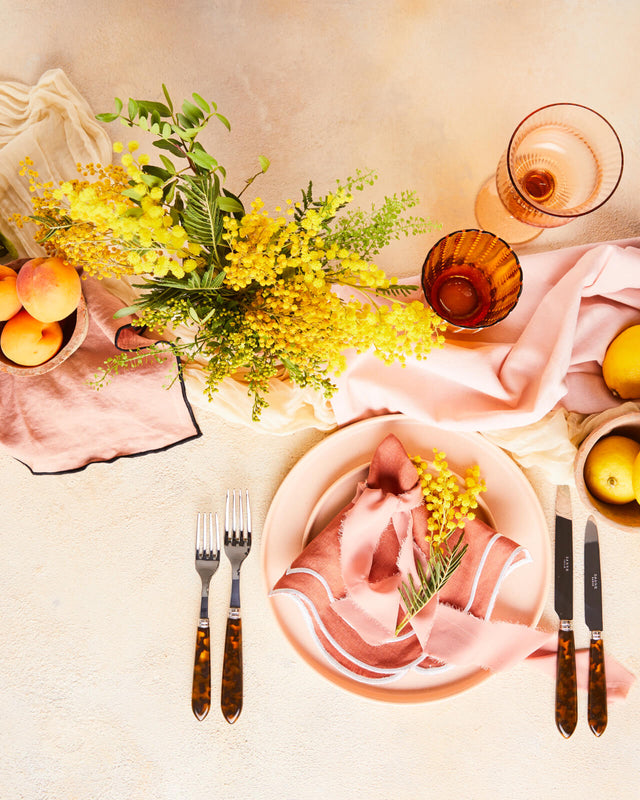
pixel 621 364
pixel 635 478
pixel 608 469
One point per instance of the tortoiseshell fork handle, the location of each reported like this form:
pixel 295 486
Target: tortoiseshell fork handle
pixel 566 687
pixel 201 691
pixel 231 695
pixel 597 685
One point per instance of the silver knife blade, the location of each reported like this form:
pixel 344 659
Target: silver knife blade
pixel 592 580
pixel 597 700
pixel 563 555
pixel 566 706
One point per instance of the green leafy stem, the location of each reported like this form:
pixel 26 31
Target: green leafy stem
pixel 432 579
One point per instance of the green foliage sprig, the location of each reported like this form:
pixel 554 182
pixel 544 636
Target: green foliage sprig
pixel 450 505
pixel 194 191
pixel 431 580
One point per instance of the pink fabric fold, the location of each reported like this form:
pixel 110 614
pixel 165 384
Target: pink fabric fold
pixel 56 422
pixel 546 353
pixel 346 581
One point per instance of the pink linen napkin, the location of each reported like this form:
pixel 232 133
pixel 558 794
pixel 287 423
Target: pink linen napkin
pixel 546 353
pixel 347 579
pixel 56 422
pixel 346 582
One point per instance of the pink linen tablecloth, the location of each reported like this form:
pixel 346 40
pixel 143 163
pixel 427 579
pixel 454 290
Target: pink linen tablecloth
pixel 57 422
pixel 546 353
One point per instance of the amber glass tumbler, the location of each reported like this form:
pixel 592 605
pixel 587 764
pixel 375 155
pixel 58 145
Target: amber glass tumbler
pixel 472 278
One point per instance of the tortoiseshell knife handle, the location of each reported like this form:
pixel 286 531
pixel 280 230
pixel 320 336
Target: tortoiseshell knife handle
pixel 201 691
pixel 597 713
pixel 231 695
pixel 566 686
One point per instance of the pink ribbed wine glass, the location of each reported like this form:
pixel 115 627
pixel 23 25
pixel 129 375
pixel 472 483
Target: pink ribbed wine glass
pixel 563 161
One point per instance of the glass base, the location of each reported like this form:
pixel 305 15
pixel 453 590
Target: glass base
pixel 492 216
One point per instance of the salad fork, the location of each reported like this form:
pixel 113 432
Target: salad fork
pixel 207 562
pixel 237 544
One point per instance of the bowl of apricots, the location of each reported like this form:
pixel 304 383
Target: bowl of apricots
pixel 43 315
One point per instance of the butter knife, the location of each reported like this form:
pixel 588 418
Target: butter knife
pixel 597 702
pixel 566 684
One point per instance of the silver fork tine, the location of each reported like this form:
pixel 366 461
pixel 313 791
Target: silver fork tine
pixel 248 518
pixel 207 561
pixel 237 544
pixel 199 548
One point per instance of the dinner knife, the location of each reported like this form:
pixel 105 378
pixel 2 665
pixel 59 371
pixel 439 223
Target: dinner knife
pixel 566 685
pixel 597 702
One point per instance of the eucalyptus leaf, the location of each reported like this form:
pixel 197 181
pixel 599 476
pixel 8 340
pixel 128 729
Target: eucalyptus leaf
pixel 185 122
pixel 126 312
pixel 201 102
pixel 167 97
pixel 203 159
pixel 132 108
pixel 224 121
pixel 168 164
pixel 156 110
pixel 208 316
pixel 190 133
pixel 231 204
pixel 167 144
pixel 132 194
pixel 192 111
pixel 169 192
pixel 157 172
pixel 107 117
pixel 264 163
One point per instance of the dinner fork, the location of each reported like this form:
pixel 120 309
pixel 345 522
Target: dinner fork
pixel 237 544
pixel 207 562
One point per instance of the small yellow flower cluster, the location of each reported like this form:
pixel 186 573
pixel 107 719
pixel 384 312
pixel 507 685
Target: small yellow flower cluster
pixel 112 224
pixel 449 503
pixel 262 248
pixel 307 326
pixel 294 311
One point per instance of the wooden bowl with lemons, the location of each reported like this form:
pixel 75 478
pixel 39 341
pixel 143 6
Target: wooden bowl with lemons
pixel 609 462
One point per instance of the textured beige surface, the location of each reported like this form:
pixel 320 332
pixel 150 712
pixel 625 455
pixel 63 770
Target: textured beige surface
pixel 98 595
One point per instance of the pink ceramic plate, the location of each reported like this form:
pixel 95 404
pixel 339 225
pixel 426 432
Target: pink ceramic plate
pixel 324 480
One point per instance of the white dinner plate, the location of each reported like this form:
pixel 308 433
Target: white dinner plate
pixel 324 480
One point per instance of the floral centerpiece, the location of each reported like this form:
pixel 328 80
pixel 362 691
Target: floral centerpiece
pixel 255 290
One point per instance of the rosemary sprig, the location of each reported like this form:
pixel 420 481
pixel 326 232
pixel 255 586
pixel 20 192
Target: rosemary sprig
pixel 441 567
pixel 450 503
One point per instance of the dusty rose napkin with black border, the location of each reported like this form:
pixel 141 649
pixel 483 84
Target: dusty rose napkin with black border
pixel 57 422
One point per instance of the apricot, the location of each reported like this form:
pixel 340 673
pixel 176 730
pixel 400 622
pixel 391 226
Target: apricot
pixel 9 303
pixel 48 288
pixel 28 341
